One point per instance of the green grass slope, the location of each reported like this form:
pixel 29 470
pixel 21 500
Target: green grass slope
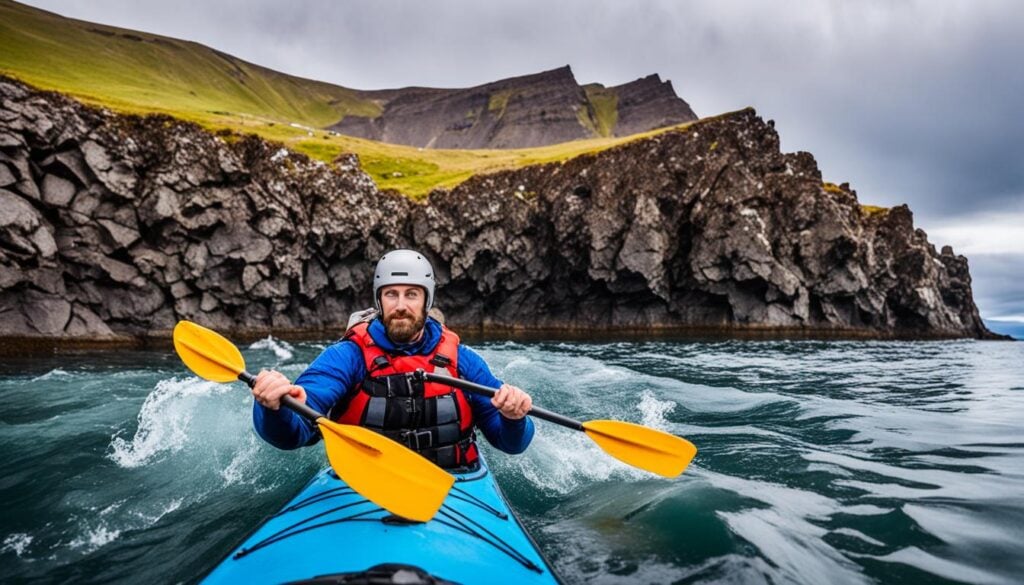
pixel 605 103
pixel 144 72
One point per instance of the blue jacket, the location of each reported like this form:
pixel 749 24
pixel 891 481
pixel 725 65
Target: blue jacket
pixel 339 370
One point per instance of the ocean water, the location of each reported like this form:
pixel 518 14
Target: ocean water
pixel 819 462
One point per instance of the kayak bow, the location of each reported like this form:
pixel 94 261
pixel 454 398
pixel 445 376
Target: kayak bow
pixel 330 531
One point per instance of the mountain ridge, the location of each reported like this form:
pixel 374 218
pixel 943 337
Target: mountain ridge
pixel 525 111
pixel 155 73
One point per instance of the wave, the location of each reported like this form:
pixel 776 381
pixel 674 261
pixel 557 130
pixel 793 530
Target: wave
pixel 163 421
pixel 282 349
pixel 55 374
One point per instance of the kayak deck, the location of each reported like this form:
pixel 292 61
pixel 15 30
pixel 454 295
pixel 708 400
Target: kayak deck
pixel 329 530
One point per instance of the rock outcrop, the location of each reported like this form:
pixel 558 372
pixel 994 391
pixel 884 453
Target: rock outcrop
pixel 115 227
pixel 648 103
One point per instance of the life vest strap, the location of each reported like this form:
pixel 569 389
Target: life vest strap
pixel 393 385
pixel 426 438
pixel 460 454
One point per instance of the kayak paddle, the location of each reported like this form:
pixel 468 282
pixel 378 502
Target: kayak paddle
pixel 381 470
pixel 653 450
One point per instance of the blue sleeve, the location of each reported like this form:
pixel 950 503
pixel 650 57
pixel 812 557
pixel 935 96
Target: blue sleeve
pixel 510 436
pixel 331 375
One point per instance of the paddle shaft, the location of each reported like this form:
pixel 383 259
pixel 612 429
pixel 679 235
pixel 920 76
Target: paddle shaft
pixel 298 407
pixel 490 392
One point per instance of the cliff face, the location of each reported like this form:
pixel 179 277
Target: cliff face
pixel 649 103
pixel 116 227
pixel 532 110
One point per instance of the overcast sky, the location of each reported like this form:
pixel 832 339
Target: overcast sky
pixel 909 101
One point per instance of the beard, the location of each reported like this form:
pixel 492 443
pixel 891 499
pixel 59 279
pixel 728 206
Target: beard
pixel 403 326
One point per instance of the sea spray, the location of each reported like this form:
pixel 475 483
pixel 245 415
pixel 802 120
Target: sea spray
pixel 163 422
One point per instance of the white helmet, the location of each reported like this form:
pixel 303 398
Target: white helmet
pixel 404 267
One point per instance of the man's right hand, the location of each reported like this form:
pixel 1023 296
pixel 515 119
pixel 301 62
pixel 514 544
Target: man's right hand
pixel 271 386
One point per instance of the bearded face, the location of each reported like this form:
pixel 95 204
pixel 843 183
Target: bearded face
pixel 403 314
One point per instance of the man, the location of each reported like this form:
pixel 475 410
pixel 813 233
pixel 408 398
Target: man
pixel 364 379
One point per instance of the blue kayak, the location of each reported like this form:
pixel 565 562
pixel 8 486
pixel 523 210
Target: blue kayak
pixel 330 534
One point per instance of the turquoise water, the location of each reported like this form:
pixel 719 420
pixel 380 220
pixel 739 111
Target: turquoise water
pixel 819 462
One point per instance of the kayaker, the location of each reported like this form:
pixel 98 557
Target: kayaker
pixel 363 379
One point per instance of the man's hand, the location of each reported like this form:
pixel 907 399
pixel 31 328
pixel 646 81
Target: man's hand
pixel 512 402
pixel 271 386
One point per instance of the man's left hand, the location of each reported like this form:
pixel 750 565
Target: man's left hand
pixel 512 402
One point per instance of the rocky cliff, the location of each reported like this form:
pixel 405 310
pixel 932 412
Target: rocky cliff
pixel 532 110
pixel 114 227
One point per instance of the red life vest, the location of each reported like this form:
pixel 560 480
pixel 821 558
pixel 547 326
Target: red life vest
pixel 430 418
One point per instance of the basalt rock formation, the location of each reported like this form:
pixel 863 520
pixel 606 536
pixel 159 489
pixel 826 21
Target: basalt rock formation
pixel 532 110
pixel 114 227
pixel 648 103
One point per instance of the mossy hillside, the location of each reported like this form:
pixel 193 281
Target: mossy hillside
pixel 497 102
pixel 605 104
pixel 140 72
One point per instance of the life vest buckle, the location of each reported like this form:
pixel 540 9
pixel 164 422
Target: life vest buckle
pixel 418 440
pixel 380 362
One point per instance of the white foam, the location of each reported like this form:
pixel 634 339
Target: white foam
pixel 110 509
pixel 701 398
pixel 562 461
pixel 282 349
pixel 944 568
pixel 603 376
pixel 171 506
pixel 653 411
pixel 163 421
pixel 830 469
pixel 865 510
pixel 858 535
pixel 17 543
pixel 52 374
pixel 244 464
pixel 94 538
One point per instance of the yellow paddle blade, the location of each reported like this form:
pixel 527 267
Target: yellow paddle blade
pixel 385 472
pixel 207 353
pixel 643 447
